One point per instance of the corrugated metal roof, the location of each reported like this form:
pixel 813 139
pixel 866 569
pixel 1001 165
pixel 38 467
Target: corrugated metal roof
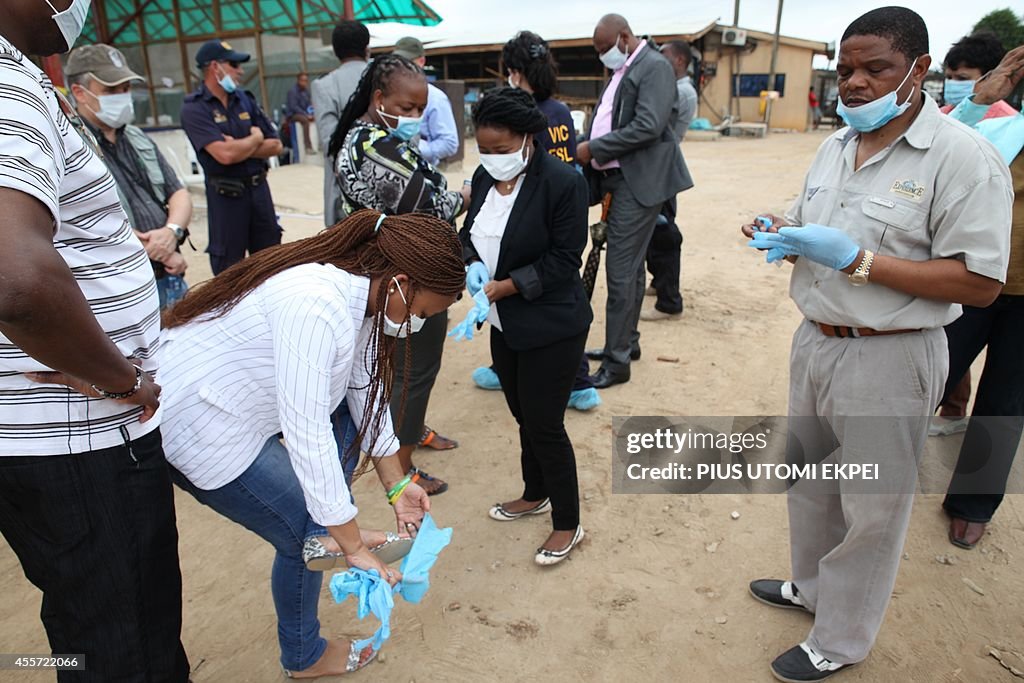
pixel 129 22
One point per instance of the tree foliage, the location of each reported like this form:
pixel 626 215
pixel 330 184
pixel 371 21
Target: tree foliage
pixel 1006 25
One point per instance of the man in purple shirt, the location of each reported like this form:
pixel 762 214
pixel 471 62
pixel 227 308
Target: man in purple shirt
pixel 633 154
pixel 298 108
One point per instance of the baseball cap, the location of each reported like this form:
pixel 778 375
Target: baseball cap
pixel 409 47
pixel 104 63
pixel 219 51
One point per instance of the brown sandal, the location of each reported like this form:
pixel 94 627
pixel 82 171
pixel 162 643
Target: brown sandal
pixel 432 439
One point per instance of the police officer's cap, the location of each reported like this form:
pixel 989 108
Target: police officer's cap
pixel 219 51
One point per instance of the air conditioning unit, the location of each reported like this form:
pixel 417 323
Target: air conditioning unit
pixel 734 36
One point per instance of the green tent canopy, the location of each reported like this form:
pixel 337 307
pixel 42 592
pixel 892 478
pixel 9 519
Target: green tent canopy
pixel 132 22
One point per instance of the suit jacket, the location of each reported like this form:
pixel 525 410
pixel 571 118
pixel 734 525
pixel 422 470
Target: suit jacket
pixel 330 94
pixel 541 251
pixel 643 139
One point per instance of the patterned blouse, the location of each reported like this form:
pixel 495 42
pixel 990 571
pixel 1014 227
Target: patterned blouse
pixel 378 171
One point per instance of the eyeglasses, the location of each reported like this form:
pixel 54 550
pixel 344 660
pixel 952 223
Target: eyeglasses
pixel 232 64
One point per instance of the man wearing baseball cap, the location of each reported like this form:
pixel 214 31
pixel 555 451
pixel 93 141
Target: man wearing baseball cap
pixel 157 203
pixel 233 139
pixel 439 136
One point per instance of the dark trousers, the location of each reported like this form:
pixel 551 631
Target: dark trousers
pixel 954 404
pixel 994 431
pixel 427 347
pixel 95 532
pixel 663 260
pixel 536 384
pixel 240 224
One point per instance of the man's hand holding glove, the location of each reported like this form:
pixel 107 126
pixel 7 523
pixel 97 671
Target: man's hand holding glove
pixel 477 315
pixel 828 246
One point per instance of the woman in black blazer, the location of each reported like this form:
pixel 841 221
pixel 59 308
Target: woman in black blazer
pixel 523 238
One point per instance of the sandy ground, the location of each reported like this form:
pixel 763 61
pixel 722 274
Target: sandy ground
pixel 658 590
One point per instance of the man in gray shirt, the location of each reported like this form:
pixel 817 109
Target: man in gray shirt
pixel 331 92
pixel 665 250
pixel 679 55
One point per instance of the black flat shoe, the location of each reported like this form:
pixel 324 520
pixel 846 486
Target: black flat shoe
pixel 777 593
pixel 801 664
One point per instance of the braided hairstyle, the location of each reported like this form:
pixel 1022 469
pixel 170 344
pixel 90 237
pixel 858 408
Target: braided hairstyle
pixel 530 55
pixel 509 108
pixel 420 246
pixel 379 75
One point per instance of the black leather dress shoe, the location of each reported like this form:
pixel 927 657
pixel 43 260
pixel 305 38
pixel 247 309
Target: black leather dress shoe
pixel 598 354
pixel 605 378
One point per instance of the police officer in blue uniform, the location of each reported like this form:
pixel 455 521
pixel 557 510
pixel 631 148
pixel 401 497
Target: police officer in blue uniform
pixel 233 139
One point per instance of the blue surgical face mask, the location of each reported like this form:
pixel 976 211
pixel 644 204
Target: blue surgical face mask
pixel 407 128
pixel 953 92
pixel 875 114
pixel 227 82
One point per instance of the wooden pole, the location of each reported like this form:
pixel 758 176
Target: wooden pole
pixel 259 55
pixel 99 14
pixel 186 72
pixel 141 26
pixel 771 71
pixel 300 20
pixel 350 13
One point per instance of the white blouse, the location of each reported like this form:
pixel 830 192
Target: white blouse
pixel 488 229
pixel 281 360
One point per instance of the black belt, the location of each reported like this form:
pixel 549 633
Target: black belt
pixel 253 180
pixel 610 172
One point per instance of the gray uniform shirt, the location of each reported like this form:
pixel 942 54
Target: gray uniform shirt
pixel 686 96
pixel 938 191
pixel 330 95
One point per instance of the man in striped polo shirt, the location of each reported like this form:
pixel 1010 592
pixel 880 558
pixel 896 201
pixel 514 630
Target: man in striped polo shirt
pixel 85 498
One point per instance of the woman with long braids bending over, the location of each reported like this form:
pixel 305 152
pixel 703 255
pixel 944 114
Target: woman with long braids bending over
pixel 377 168
pixel 273 345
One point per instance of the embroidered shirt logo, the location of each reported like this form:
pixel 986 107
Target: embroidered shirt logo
pixel 909 189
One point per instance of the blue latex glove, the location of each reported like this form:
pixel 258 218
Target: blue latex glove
pixel 828 246
pixel 477 315
pixel 476 277
pixel 374 596
pixel 415 568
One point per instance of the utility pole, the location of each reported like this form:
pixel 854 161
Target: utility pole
pixel 771 71
pixel 736 14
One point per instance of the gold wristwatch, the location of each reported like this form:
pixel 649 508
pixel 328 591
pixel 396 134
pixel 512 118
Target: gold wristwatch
pixel 859 277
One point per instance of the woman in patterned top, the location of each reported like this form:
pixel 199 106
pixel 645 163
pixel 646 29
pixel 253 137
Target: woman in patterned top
pixel 378 168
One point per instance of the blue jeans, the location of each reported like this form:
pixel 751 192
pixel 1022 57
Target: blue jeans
pixel 170 288
pixel 268 500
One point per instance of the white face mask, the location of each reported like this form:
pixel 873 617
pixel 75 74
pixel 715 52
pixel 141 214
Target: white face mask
pixel 401 330
pixel 504 167
pixel 71 21
pixel 614 58
pixel 116 111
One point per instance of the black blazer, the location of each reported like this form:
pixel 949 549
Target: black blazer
pixel 541 251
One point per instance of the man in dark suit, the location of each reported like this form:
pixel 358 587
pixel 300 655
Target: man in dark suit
pixel 633 154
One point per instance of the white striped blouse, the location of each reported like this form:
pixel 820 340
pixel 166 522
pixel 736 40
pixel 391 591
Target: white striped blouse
pixel 281 360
